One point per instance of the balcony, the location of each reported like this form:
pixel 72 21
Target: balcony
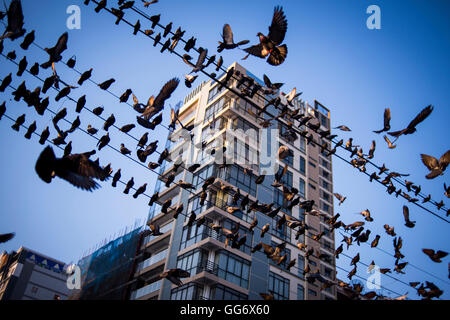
pixel 151 263
pixel 156 242
pixel 146 292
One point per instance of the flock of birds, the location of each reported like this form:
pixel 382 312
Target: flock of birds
pixel 82 172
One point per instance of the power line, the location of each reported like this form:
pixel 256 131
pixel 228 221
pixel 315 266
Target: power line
pixel 265 99
pixel 69 122
pixel 104 120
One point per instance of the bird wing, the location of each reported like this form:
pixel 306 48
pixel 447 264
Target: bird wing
pixel 268 249
pixel 255 50
pixel 444 160
pixel 278 28
pixel 15 16
pixel 421 116
pixel 61 45
pixel 6 237
pixel 441 254
pixel 85 167
pixel 387 117
pixel 227 34
pixel 79 181
pixel 180 273
pixel 406 213
pixel 201 58
pixel 166 92
pixel 278 55
pixel 338 196
pixel 429 161
pixel 428 252
pixel 267 81
pixel 388 141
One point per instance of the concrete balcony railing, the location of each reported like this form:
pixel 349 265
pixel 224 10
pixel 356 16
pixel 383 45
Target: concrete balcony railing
pixel 147 290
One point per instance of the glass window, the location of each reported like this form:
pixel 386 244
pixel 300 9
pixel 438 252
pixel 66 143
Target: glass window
pixel 284 264
pixel 190 291
pixel 214 92
pixel 286 180
pixel 300 292
pixel 279 286
pixel 301 188
pixel 301 266
pixel 231 268
pixel 303 144
pixel 250 131
pixel 220 292
pixel 244 154
pixel 289 160
pixel 235 175
pixel 302 165
pixel 280 201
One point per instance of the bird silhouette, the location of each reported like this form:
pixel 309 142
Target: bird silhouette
pixel 227 40
pixel 270 45
pixel 14 28
pixel 77 169
pixel 56 51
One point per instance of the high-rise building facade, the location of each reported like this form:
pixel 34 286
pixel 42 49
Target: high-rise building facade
pixel 218 270
pixel 30 275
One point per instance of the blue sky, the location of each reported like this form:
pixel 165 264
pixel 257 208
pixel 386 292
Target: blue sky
pixel 333 57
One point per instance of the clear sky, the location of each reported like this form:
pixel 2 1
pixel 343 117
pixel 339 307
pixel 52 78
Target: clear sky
pixel 333 57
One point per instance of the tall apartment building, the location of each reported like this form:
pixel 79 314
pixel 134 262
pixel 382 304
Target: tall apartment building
pixel 219 271
pixel 30 275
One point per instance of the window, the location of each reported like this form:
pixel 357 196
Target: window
pixel 325 196
pixel 190 291
pixel 312 186
pixel 200 177
pixel 302 165
pixel 194 234
pixel 280 201
pixel 325 174
pixel 191 261
pixel 215 108
pixel 324 121
pixel 248 108
pixel 289 160
pixel 286 180
pixel 324 163
pixel 303 144
pixel 301 266
pixel 325 207
pixel 312 292
pixel 246 248
pixel 284 264
pixel 301 188
pixel 213 128
pixel 233 268
pixel 214 92
pixel 325 184
pixel 328 272
pixel 250 131
pixel 244 154
pixel 279 286
pixel 300 292
pixel 235 175
pixel 220 292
